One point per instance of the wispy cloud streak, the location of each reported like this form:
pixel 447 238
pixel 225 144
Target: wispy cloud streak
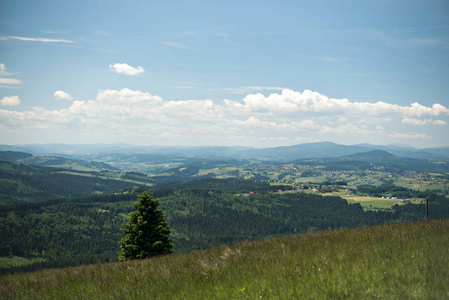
pixel 33 39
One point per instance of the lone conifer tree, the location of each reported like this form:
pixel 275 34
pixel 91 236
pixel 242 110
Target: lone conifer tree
pixel 146 232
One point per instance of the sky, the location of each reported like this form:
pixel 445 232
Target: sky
pixel 225 73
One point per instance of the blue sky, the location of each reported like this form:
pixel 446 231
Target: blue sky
pixel 252 73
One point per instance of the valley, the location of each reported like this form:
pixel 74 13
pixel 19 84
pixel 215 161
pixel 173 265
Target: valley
pixel 63 209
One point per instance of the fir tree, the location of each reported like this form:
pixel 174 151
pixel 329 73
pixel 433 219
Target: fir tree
pixel 147 232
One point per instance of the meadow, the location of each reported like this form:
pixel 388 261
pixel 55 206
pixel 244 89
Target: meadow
pixel 396 261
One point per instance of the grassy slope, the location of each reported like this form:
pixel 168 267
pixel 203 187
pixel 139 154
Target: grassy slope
pixel 398 261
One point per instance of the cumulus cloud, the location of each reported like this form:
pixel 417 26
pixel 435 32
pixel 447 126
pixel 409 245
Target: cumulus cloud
pixel 126 96
pixel 314 102
pixel 126 69
pixel 256 123
pixel 61 95
pixel 10 101
pixel 418 110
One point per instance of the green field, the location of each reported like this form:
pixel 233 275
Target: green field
pixel 371 203
pixel 418 184
pixel 398 261
pixel 13 261
pixel 368 203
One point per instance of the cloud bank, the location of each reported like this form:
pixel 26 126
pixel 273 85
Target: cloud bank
pixel 135 116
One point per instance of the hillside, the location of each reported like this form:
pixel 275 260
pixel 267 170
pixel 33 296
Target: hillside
pixel 54 161
pixel 13 155
pixel 398 261
pixel 380 159
pixel 62 233
pixel 303 151
pixel 20 183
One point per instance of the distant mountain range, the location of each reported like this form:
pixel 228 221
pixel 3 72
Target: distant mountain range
pixel 275 154
pixel 380 159
pixel 53 161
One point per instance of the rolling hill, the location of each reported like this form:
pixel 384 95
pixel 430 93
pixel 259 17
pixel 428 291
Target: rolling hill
pixel 382 160
pixel 54 161
pixel 20 183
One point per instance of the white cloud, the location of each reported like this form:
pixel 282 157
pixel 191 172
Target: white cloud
pixel 9 81
pixel 316 104
pixel 418 110
pixel 126 96
pixel 290 101
pixel 60 95
pixel 10 101
pixel 419 122
pixel 30 39
pixel 126 69
pixel 254 122
pixel 439 122
pixel 125 114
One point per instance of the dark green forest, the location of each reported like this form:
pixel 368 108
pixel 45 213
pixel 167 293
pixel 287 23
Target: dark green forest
pixel 28 183
pixel 54 217
pixel 70 232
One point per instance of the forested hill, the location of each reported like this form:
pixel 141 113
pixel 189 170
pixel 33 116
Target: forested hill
pixel 13 155
pixel 54 161
pixel 21 183
pixel 378 159
pixel 223 185
pixel 87 230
